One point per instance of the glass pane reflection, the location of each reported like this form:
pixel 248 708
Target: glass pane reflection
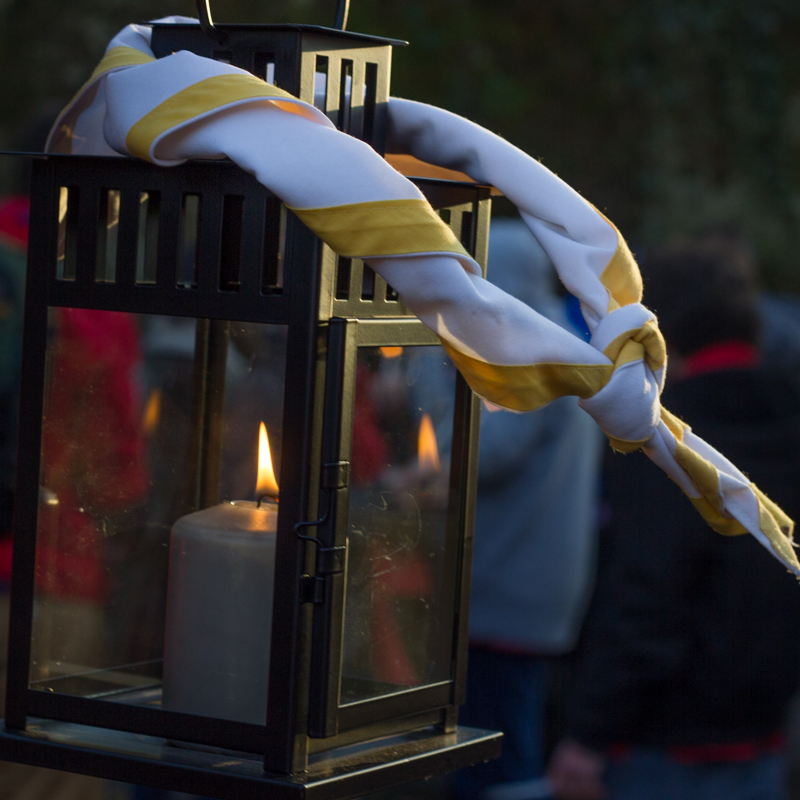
pixel 398 617
pixel 119 466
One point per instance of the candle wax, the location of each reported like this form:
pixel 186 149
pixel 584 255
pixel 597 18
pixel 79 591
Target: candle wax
pixel 219 612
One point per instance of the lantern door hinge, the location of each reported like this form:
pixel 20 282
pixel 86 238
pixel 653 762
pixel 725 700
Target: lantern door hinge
pixel 330 560
pixel 335 475
pixel 312 589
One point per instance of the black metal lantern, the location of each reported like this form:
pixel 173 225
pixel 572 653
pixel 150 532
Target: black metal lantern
pixel 170 623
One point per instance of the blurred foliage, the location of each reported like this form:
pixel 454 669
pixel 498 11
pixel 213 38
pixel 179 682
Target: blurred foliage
pixel 670 115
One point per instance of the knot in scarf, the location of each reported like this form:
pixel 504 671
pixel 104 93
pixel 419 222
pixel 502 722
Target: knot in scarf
pixel 628 407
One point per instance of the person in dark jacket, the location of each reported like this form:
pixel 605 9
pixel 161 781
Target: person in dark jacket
pixel 535 543
pixel 691 651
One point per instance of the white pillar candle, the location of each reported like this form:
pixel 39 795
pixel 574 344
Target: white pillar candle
pixel 219 612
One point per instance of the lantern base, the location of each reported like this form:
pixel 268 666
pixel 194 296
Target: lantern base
pixel 335 775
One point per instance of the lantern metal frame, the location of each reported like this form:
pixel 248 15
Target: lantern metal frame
pixel 255 262
pixel 305 720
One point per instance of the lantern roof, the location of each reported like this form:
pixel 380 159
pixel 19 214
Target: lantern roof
pixel 238 27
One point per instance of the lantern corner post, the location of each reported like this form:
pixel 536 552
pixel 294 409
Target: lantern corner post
pixel 41 262
pixel 285 738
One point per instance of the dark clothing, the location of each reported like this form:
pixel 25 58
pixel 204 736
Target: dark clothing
pixel 505 692
pixel 652 775
pixel 693 637
pixel 12 291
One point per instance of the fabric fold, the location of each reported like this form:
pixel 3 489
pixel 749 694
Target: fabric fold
pixel 183 106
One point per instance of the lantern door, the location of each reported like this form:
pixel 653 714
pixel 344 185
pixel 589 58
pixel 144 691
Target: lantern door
pixel 391 545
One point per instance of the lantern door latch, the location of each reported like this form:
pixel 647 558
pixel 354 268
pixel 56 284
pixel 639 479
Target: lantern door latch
pixel 330 560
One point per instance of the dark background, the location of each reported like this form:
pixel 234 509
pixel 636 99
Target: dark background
pixel 669 115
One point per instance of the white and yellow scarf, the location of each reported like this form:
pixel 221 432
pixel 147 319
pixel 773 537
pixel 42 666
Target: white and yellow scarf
pixel 183 106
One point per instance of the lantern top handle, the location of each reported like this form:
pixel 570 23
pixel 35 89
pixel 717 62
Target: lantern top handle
pixel 207 23
pixel 342 10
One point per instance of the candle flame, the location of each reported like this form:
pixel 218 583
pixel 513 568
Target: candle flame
pixel 152 412
pixel 427 447
pixel 391 352
pixel 266 483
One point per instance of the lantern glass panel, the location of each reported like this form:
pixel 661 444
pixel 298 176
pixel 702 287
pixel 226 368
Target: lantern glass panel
pixel 132 441
pixel 398 619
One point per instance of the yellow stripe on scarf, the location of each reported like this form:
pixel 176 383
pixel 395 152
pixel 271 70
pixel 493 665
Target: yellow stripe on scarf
pixel 621 275
pixel 774 523
pixel 529 386
pixel 705 477
pixel 383 228
pixel 645 342
pixel 60 139
pixel 118 57
pixel 199 99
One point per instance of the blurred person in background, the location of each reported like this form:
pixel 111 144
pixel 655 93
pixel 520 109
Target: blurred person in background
pixel 780 316
pixel 690 653
pixel 778 311
pixel 535 536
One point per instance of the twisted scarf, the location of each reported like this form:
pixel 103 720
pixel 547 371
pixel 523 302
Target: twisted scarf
pixel 183 106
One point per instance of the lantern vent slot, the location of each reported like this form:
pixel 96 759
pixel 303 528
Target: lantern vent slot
pixel 274 247
pixel 391 295
pixel 445 215
pixel 368 283
pixel 264 66
pixel 67 259
pixel 370 95
pixel 190 232
pixel 230 262
pixel 345 95
pixel 467 239
pixel 321 84
pixel 344 268
pixel 147 244
pixel 107 233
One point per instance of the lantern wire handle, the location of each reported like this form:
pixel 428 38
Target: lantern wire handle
pixel 342 10
pixel 302 525
pixel 207 24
